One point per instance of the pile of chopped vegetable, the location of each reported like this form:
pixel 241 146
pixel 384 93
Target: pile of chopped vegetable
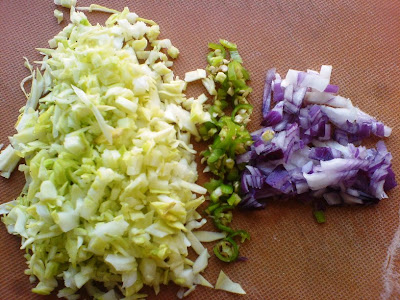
pixel 309 146
pixel 110 197
pixel 110 171
pixel 226 82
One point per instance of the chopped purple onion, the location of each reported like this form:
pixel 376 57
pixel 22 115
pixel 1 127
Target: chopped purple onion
pixel 267 92
pixel 280 180
pixel 278 90
pixel 274 116
pixel 324 153
pixel 334 89
pixel 312 153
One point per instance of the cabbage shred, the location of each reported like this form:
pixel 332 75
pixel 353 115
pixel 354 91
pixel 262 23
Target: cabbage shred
pixel 110 171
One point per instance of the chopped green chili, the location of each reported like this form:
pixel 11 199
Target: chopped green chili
pixel 244 235
pixel 229 137
pixel 319 216
pixel 234 199
pixel 227 250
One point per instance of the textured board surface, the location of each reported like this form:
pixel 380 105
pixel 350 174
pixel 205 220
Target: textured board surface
pixel 353 255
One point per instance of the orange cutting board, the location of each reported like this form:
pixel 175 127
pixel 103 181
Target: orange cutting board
pixel 353 255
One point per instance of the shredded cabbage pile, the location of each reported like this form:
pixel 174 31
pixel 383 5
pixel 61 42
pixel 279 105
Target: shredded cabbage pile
pixel 110 171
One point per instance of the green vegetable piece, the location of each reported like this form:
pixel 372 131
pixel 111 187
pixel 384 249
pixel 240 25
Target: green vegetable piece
pixel 245 73
pixel 222 227
pixel 212 207
pixel 173 52
pixel 220 77
pixel 215 46
pixel 210 125
pixel 233 174
pixel 212 185
pixel 223 218
pixel 203 130
pixel 224 104
pixel 215 155
pixel 235 72
pixel 216 61
pixel 234 199
pixel 247 107
pixel 221 94
pixel 240 85
pixel 235 56
pixel 216 194
pixel 228 45
pixel 232 67
pixel 210 56
pixel 268 135
pixel 319 216
pixel 215 111
pixel 226 250
pixel 244 235
pixel 226 189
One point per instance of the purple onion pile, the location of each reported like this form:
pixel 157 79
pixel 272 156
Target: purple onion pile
pixel 309 146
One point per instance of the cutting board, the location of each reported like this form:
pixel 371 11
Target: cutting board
pixel 290 256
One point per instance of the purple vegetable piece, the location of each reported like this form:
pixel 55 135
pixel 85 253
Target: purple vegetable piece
pixel 313 123
pixel 278 91
pixel 363 196
pixel 327 133
pixel 324 153
pixel 333 198
pixel 243 182
pixel 298 180
pixel 267 92
pixel 354 131
pixel 260 146
pixel 311 80
pixel 294 99
pixel 256 182
pixel 266 166
pixel 378 170
pixel 332 89
pixel 378 129
pixel 287 118
pixel 355 121
pixel 307 168
pixel 274 116
pixel 273 153
pixel 253 171
pixel 341 137
pixel 288 99
pixel 242 258
pixel 280 180
pixel 245 157
pixel 291 140
pixel 332 172
pixel 250 202
pixel 390 181
pixel 266 192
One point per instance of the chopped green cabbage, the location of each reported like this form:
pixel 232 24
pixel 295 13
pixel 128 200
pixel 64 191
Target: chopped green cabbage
pixel 8 161
pixel 226 284
pixel 65 3
pixel 110 171
pixel 59 16
pixel 209 236
pixel 195 75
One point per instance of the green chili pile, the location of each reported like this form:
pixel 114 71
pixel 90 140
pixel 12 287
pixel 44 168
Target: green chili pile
pixel 229 138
